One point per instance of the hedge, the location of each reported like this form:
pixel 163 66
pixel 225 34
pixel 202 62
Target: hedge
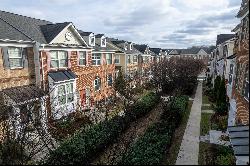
pixel 151 147
pixel 84 146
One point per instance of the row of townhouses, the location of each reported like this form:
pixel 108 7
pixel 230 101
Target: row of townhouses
pixel 55 69
pixel 230 59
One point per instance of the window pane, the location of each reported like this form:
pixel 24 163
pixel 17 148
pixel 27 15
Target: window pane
pixel 61 90
pixel 14 52
pixel 54 64
pixel 69 88
pixel 15 63
pixel 70 97
pixel 82 55
pixel 53 55
pixel 62 55
pixel 62 99
pixel 63 63
pixel 82 62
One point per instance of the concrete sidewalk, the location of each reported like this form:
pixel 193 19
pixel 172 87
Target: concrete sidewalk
pixel 189 150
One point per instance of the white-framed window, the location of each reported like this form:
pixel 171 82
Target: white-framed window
pixel 59 59
pixel 117 59
pixel 103 42
pixel 82 58
pixel 125 46
pixel 92 40
pixel 65 93
pixel 129 59
pixel 109 59
pixel 96 59
pixel 15 57
pixel 135 60
pixel 110 79
pixel 131 46
pixel 97 83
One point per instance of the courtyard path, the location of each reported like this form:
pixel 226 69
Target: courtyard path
pixel 189 150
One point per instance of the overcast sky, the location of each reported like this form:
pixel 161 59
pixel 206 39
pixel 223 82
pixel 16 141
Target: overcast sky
pixel 159 23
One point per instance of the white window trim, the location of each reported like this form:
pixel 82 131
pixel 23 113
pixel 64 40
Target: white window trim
pixel 90 37
pixel 111 55
pixel 59 67
pixel 105 40
pixel 94 54
pixel 83 58
pixel 21 53
pixel 119 59
pixel 73 92
pixel 131 46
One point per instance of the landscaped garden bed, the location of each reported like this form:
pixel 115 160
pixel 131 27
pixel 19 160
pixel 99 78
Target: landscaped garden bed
pixel 86 144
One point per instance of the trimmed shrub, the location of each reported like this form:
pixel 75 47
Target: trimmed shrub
pixel 151 147
pixel 84 146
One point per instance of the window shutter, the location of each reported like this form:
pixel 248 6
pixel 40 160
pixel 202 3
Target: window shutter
pixel 6 62
pixel 25 57
pixel 78 57
pixel 69 55
pixel 48 60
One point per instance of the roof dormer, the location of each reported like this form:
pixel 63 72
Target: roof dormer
pixel 92 39
pixel 103 41
pixel 125 46
pixel 131 46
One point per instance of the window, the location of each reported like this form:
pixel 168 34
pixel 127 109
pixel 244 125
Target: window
pixel 97 83
pixel 96 59
pixel 117 59
pixel 92 40
pixel 131 46
pixel 109 59
pixel 125 46
pixel 103 40
pixel 128 60
pixel 65 93
pixel 135 59
pixel 110 79
pixel 15 57
pixel 58 59
pixel 82 58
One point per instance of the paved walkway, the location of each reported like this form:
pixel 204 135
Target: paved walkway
pixel 189 150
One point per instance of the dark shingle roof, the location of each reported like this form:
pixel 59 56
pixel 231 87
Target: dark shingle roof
pixel 99 35
pixel 223 37
pixel 120 44
pixel 82 33
pixel 142 47
pixel 62 75
pixel 25 93
pixel 192 50
pixel 173 50
pixel 50 31
pixel 157 51
pixel 29 27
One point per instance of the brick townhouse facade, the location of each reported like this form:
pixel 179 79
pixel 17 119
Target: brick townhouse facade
pixel 241 80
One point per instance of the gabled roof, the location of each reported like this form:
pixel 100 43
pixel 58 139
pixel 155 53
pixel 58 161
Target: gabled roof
pixel 120 44
pixel 224 37
pixel 243 9
pixel 26 26
pixel 172 52
pixel 82 33
pixel 99 35
pixel 50 31
pixel 192 50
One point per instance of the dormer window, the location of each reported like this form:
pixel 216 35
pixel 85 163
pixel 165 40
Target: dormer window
pixel 103 42
pixel 131 46
pixel 92 40
pixel 125 46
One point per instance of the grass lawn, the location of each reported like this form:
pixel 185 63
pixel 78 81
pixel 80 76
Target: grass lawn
pixel 205 100
pixel 211 154
pixel 205 123
pixel 172 154
pixel 207 108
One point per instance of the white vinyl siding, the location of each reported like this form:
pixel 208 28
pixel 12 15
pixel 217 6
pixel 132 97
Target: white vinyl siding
pixel 59 59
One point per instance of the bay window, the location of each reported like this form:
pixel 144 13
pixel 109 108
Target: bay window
pixel 109 59
pixel 82 58
pixel 96 59
pixel 59 59
pixel 65 93
pixel 15 57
